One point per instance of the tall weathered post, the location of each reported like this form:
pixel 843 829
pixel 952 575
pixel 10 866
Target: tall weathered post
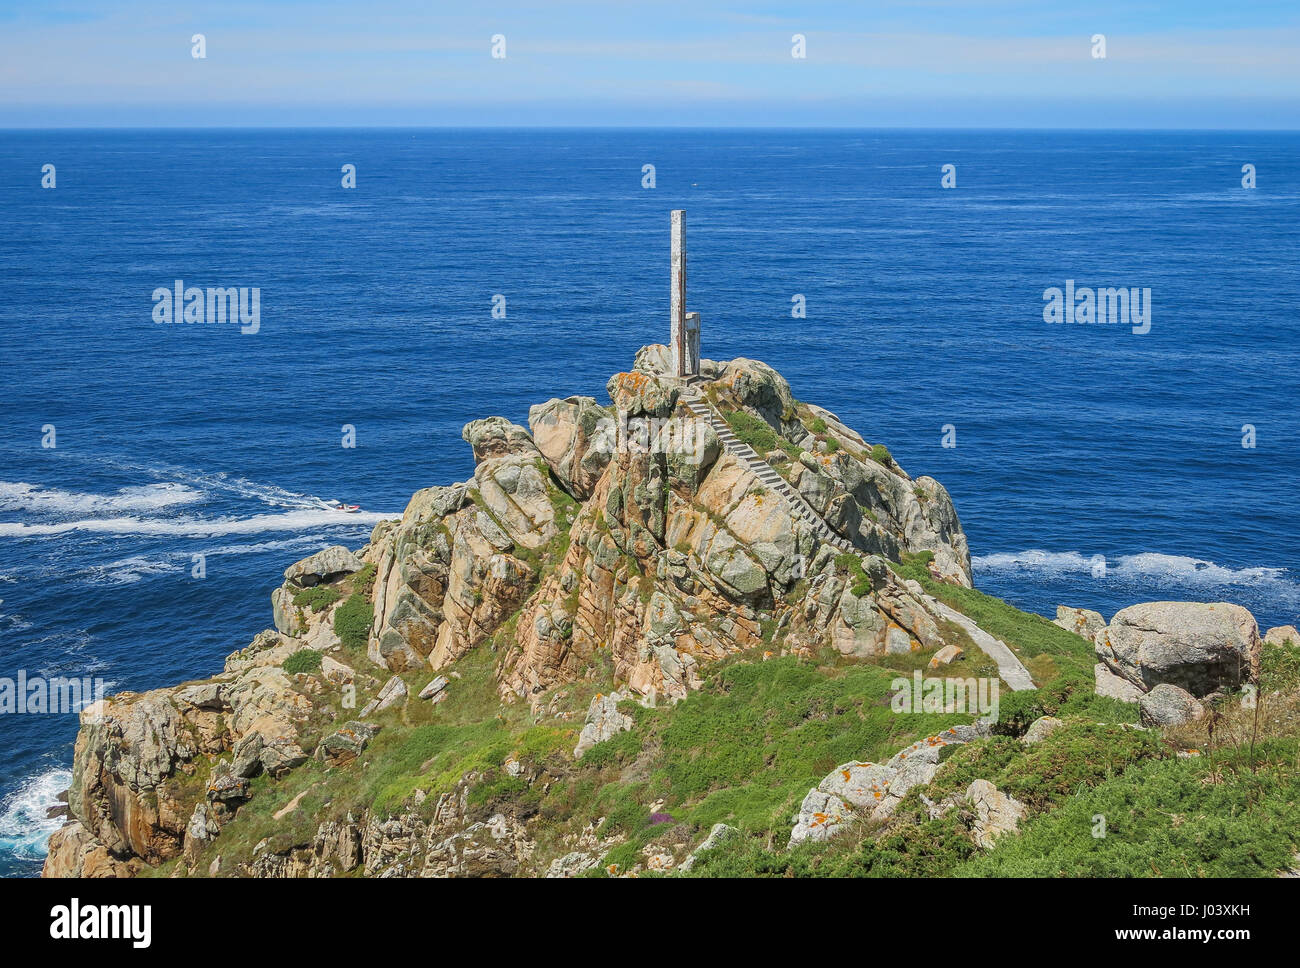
pixel 677 299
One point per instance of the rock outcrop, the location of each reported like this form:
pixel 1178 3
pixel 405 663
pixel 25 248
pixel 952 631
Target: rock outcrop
pixel 1282 635
pixel 1198 647
pixel 604 721
pixel 1081 621
pixel 873 791
pixel 618 540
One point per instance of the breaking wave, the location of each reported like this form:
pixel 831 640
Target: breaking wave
pixel 25 826
pixel 1150 569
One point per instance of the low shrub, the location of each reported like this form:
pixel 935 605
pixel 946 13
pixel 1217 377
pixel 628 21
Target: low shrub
pixel 304 660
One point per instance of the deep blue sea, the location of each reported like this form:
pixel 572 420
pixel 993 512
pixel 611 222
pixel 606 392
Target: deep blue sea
pixel 924 308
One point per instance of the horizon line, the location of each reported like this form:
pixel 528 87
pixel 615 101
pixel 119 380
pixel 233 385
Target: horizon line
pixel 256 126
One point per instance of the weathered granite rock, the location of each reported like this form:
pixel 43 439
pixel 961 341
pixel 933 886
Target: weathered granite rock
pixel 497 437
pixel 1106 683
pixel 1040 729
pixel 248 756
pixel 1168 705
pixel 75 852
pixel 945 656
pixel 393 692
pixel 280 755
pixel 228 789
pixel 435 690
pixel 1080 621
pixel 603 722
pixel 1198 647
pixel 572 864
pixel 577 436
pixel 860 790
pixel 347 742
pixel 642 395
pixel 324 566
pixel 1282 635
pixel 996 813
pixel 719 834
pixel 205 695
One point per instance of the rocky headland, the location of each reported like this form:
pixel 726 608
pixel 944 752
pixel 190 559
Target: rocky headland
pixel 661 635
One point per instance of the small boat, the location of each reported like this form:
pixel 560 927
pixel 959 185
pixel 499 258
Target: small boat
pixel 347 508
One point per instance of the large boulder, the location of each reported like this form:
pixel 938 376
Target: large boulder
pixel 324 566
pixel 757 387
pixel 1282 635
pixel 1198 647
pixel 1106 683
pixel 642 395
pixel 1040 729
pixel 996 813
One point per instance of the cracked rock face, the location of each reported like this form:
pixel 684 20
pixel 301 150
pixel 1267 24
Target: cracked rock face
pixel 996 814
pixel 604 721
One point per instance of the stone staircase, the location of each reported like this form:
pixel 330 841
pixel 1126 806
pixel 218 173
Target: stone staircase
pixel 801 509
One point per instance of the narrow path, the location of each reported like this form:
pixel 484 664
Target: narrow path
pixel 1010 668
pixel 764 471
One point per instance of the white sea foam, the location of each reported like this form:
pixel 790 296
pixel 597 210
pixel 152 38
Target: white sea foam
pixel 24 826
pixel 194 527
pixel 33 498
pixel 130 570
pixel 1151 569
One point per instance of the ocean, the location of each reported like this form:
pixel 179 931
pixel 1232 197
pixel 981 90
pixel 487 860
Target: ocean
pixel 924 322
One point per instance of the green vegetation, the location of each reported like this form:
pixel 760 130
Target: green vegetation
pixel 753 431
pixel 818 426
pixel 862 583
pixel 880 454
pixel 744 749
pixel 317 598
pixel 1166 818
pixel 352 621
pixel 364 580
pixel 304 660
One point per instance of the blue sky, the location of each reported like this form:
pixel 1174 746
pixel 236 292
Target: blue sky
pixel 1014 63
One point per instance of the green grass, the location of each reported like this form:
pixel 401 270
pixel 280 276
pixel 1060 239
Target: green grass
pixel 880 454
pixel 747 748
pixel 753 431
pixel 317 598
pixel 1065 766
pixel 862 583
pixel 1029 635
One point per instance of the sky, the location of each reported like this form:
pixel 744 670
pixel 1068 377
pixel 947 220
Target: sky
pixel 925 63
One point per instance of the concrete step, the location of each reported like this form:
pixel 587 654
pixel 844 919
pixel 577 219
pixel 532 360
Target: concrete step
pixel 764 471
